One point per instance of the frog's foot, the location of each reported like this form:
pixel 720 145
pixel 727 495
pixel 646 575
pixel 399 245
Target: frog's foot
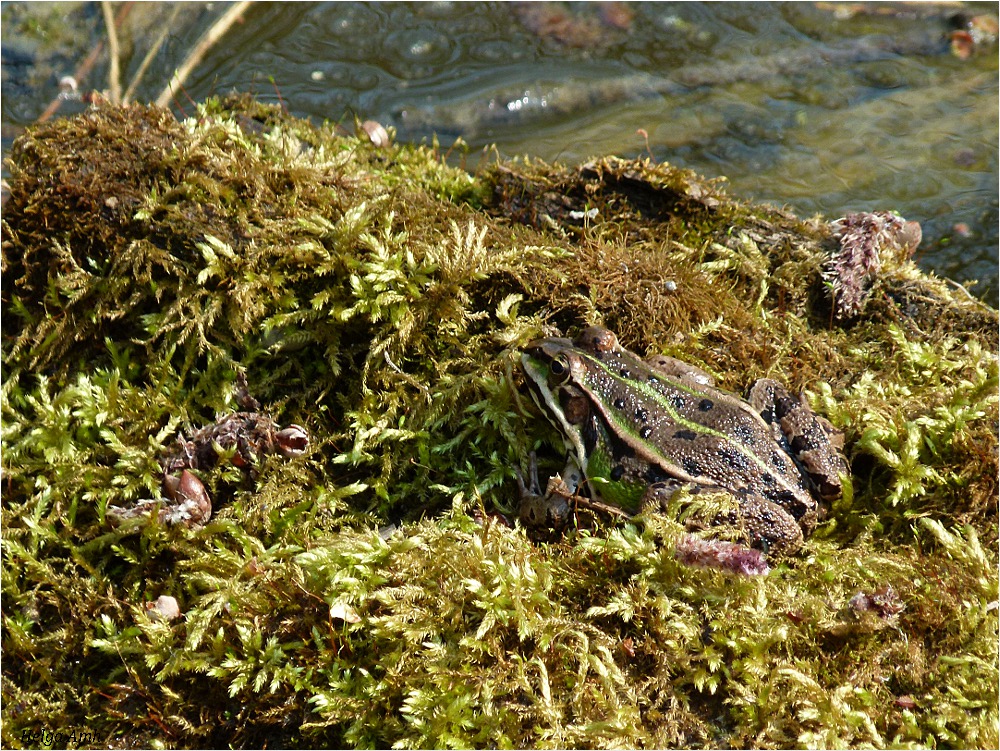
pixel 756 521
pixel 766 526
pixel 549 510
pixel 659 496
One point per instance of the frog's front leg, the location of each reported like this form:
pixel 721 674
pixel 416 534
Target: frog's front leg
pixel 553 508
pixel 548 510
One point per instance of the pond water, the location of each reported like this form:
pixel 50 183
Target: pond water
pixel 823 107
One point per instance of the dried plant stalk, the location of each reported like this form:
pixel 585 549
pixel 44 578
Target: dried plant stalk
pixel 85 67
pixel 866 239
pixel 114 70
pixel 207 41
pixel 155 48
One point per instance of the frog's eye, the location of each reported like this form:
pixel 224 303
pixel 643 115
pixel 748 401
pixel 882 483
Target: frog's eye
pixel 559 370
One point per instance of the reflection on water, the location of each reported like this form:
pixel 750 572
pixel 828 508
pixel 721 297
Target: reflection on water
pixel 824 107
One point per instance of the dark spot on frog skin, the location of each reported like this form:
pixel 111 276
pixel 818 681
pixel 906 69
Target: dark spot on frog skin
pixel 646 432
pixel 621 450
pixel 743 434
pixel 800 443
pixel 619 403
pixel 789 502
pixel 653 379
pixel 617 473
pixel 655 476
pixel 692 467
pixel 677 401
pixel 767 478
pixel 733 458
pixel 685 435
pixel 705 405
pixel 641 414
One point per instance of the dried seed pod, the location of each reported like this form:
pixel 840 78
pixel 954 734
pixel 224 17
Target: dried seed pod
pixel 867 239
pixel 163 608
pixel 725 556
pixel 341 611
pixel 240 439
pixel 191 505
pixel 376 134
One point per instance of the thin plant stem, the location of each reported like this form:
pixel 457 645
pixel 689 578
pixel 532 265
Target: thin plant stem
pixel 201 48
pixel 137 78
pixel 114 72
pixel 85 67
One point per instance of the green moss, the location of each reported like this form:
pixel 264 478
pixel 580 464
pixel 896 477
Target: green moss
pixel 378 297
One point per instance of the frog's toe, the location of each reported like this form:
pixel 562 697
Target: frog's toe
pixel 528 485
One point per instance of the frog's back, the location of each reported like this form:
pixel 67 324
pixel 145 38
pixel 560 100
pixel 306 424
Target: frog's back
pixel 693 433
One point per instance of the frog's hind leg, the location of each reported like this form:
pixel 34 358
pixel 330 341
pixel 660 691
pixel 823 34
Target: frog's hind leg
pixel 753 520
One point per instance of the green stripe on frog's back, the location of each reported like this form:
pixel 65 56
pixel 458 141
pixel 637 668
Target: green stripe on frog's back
pixel 695 452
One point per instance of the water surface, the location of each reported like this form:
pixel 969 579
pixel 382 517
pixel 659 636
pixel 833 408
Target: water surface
pixel 808 105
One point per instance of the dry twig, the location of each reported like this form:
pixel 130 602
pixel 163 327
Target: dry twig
pixel 137 78
pixel 84 68
pixel 114 71
pixel 207 41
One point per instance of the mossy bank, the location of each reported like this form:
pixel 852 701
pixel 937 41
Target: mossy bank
pixel 370 593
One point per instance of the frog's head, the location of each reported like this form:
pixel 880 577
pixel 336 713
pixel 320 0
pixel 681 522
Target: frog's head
pixel 554 366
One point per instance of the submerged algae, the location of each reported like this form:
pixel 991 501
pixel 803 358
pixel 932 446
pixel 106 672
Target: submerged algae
pixel 377 297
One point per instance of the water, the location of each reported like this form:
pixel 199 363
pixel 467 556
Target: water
pixel 734 89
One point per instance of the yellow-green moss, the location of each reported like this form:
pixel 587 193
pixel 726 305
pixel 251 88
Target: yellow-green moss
pixel 378 297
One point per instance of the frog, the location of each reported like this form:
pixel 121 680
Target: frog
pixel 637 431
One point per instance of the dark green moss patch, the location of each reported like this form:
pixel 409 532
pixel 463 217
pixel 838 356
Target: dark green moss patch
pixel 378 298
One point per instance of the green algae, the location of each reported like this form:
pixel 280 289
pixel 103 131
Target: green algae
pixel 378 298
